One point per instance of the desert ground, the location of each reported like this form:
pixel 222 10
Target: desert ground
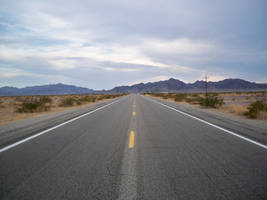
pixel 13 108
pixel 236 103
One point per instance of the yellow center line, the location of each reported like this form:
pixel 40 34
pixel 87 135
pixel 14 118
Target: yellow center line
pixel 133 113
pixel 131 140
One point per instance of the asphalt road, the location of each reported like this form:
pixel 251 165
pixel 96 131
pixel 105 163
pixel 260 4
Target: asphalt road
pixel 134 149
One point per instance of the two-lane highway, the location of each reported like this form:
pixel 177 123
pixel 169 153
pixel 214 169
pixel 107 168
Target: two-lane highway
pixel 134 148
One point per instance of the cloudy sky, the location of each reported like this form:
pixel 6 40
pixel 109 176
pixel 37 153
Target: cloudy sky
pixel 101 44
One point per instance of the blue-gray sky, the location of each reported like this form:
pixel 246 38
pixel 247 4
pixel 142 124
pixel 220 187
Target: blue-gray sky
pixel 101 44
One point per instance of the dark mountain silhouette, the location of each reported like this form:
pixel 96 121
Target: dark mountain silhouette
pixel 171 85
pixel 160 86
pixel 44 90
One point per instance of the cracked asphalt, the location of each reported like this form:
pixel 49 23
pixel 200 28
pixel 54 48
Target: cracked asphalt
pixel 173 157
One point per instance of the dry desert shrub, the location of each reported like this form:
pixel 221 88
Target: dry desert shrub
pixel 88 98
pixel 69 101
pixel 212 102
pixel 180 97
pixel 35 104
pixel 255 109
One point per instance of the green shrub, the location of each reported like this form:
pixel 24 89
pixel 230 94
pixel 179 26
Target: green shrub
pixel 45 99
pixel 255 108
pixel 27 107
pixel 38 104
pixel 180 97
pixel 212 101
pixel 88 98
pixel 69 101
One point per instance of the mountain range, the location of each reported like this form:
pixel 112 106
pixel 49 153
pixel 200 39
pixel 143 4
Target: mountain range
pixel 174 85
pixel 56 89
pixel 171 85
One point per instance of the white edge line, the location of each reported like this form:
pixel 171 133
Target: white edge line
pixel 213 125
pixel 52 128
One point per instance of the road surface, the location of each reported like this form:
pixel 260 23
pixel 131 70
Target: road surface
pixel 134 148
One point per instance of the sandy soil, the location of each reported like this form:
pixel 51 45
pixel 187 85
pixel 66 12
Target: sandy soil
pixel 235 103
pixel 9 106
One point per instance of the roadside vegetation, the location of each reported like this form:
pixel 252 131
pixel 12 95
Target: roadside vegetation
pixel 69 101
pixel 249 104
pixel 211 100
pixel 21 107
pixel 77 100
pixel 255 109
pixel 35 104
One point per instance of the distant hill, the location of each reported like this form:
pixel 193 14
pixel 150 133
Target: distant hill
pixel 171 85
pixel 44 90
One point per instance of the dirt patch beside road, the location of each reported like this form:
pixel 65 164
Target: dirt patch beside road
pixel 16 108
pixel 236 103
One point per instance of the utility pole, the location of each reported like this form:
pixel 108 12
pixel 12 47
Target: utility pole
pixel 206 85
pixel 264 98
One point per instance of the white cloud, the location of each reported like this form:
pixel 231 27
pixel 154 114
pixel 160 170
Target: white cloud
pixel 119 69
pixel 62 64
pixel 106 37
pixel 216 78
pixel 150 79
pixel 6 73
pixel 178 46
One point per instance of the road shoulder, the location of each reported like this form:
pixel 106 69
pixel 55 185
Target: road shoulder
pixel 253 129
pixel 15 131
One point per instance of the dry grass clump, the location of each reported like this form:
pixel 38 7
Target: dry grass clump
pixel 194 99
pixel 262 116
pixel 236 109
pixel 256 110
